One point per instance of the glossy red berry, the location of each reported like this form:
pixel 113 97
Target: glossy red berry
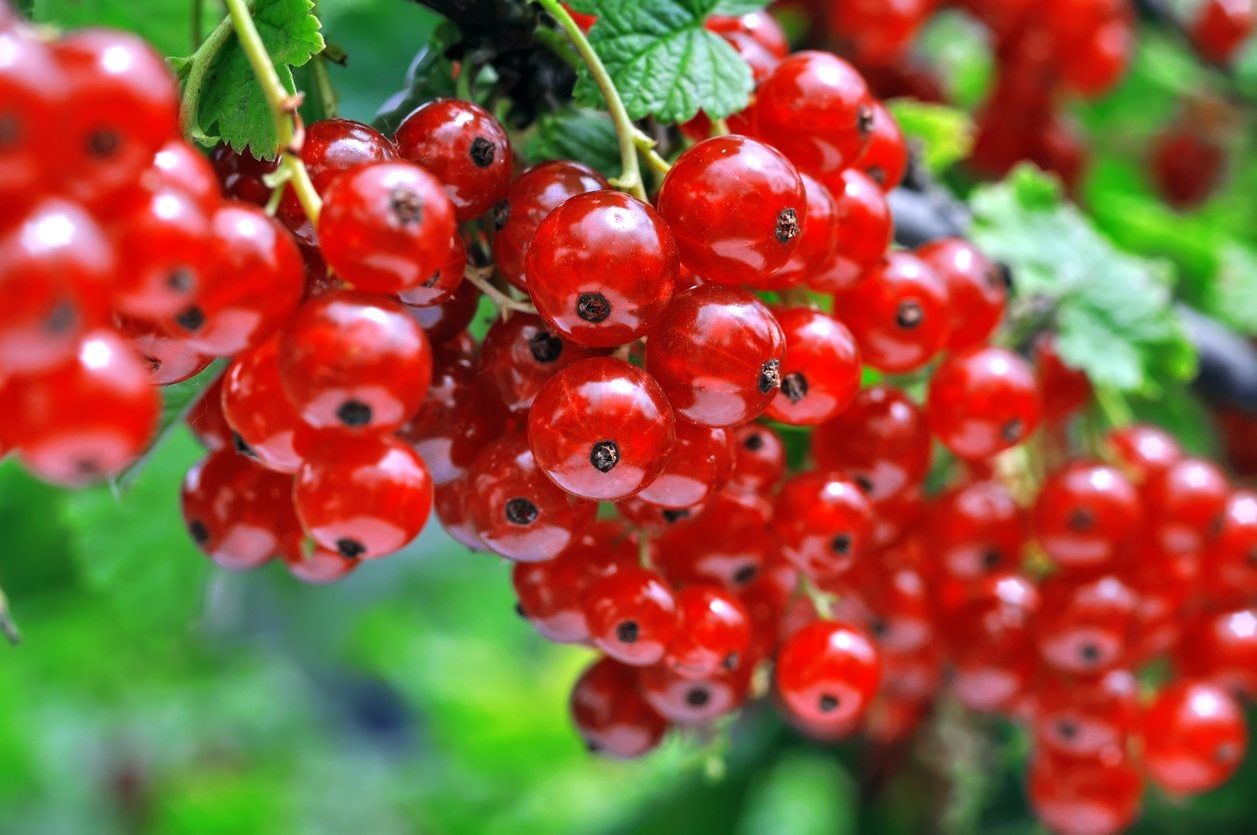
pixel 238 513
pixel 31 100
pixel 164 239
pixel 820 375
pixel 737 208
pixel 1220 27
pixel 363 497
pixel 727 542
pixel 1141 450
pixel 601 268
pixel 632 616
pixel 885 158
pixel 1186 503
pixel 319 566
pixel 241 174
pixel 717 353
pixel 759 459
pixel 977 529
pixel 1232 571
pixel 881 441
pixel 827 674
pixel 818 240
pixel 520 354
pixel 441 286
pixel 879 33
pixel 1085 515
pixel 1085 625
pixel 601 429
pixel 464 147
pixel 1085 796
pixel 990 641
pixel 863 230
pixel 450 503
pixel 758 25
pixel 1066 390
pixel 449 319
pixel 700 464
pixel 180 166
pixel 713 632
pixel 517 511
pixel 823 522
pixel 899 312
pixel 331 147
pixel 1195 737
pixel 976 289
pixel 689 701
pixel 610 714
pixel 264 422
pixel 1082 717
pixel 1222 647
pixel 354 361
pixel 170 360
pixel 983 401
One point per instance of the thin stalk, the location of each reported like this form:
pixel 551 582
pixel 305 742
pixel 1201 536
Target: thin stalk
pixel 646 146
pixel 1113 406
pixel 558 44
pixel 479 278
pixel 323 88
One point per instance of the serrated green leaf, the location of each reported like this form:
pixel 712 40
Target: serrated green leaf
pixel 944 134
pixel 734 8
pixel 587 136
pixel 219 85
pixel 1113 311
pixel 662 60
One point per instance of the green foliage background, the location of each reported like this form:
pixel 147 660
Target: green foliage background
pixel 157 694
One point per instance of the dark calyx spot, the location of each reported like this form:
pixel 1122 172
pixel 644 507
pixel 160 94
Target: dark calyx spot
pixel 731 661
pixel 593 307
pixel 592 747
pixel 200 533
pixel 1227 752
pixel 1002 274
pixel 103 143
pixel 794 386
pixel 191 319
pixel 770 376
pixel 604 456
pixel 1080 520
pixel 521 512
pixel 242 446
pixel 10 130
pixel 909 315
pixel 545 347
pixel 787 226
pixel 864 121
pixel 745 574
pixel 87 467
pixel 877 174
pixel 432 279
pixel 519 610
pixel 1011 431
pixel 61 319
pixel 626 632
pixel 990 559
pixel 1089 653
pixel 864 483
pixel 841 544
pixel 405 207
pixel 501 214
pixel 672 516
pixel 879 627
pixel 754 442
pixel 181 280
pixel 1066 729
pixel 350 549
pixel 354 413
pixel 697 697
pixel 482 152
pixel 828 703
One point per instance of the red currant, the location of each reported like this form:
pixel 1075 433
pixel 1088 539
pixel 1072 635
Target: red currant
pixel 31 90
pixel 205 418
pixel 441 286
pixel 1195 737
pixel 465 147
pixel 823 521
pixel 1222 647
pixel 899 312
pixel 759 459
pixel 977 529
pixel 1143 450
pixel 728 543
pixel 692 701
pixel 976 289
pixel 881 441
pixel 818 240
pixel 983 401
pixel 1186 503
pixel 820 376
pixel 863 227
pixel 1085 796
pixel 238 513
pixel 700 463
pixel 1085 515
pixel 318 567
pixel 1085 625
pixel 170 359
pixel 632 616
pixel 827 673
pixel 164 239
pixel 1082 717
pixel 1220 27
pixel 610 714
pixel 1065 390
pixel 180 166
pixel 713 632
pixel 331 147
pixel 885 158
pixel 991 643
pixel 254 405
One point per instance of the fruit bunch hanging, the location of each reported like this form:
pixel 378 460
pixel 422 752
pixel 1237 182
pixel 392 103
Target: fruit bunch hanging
pixel 726 434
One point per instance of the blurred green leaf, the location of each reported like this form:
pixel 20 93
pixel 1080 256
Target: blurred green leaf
pixel 1231 297
pixel 167 24
pixel 944 135
pixel 586 136
pixel 733 8
pixel 801 794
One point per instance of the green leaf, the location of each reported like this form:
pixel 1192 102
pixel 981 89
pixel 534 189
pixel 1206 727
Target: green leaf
pixel 166 24
pixel 1113 313
pixel 223 102
pixel 662 60
pixel 803 793
pixel 734 8
pixel 587 136
pixel 1231 297
pixel 944 134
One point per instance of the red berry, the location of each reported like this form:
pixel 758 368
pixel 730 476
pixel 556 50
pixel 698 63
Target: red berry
pixel 823 522
pixel 1222 647
pixel 1220 27
pixel 170 360
pixel 727 543
pixel 820 376
pixel 464 147
pixel 759 25
pixel 610 714
pixel 690 701
pixel 238 513
pixel 863 228
pixel 601 429
pixel 1195 737
pixel 983 401
pixel 759 459
pixel 977 529
pixel 1085 625
pixel 601 268
pixel 1085 515
pixel 1082 717
pixel 991 643
pixel 881 441
pixel 632 616
pixel 1233 567
pixel 255 406
pixel 450 502
pixel 879 33
pixel 1065 390
pixel 180 166
pixel 164 239
pixel 713 632
pixel 1142 450
pixel 31 101
pixel 1186 503
pixel 1088 796
pixel 441 286
pixel 885 158
pixel 699 465
pixel 318 567
pixel 241 174
pixel 827 673
pixel 449 319
pixel 899 312
pixel 818 240
pixel 331 147
pixel 717 353
pixel 520 354
pixel 976 290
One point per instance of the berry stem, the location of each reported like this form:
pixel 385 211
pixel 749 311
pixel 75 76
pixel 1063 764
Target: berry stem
pixel 558 45
pixel 822 602
pixel 1113 407
pixel 480 278
pixel 719 127
pixel 630 178
pixel 323 89
pixel 647 147
pixel 283 106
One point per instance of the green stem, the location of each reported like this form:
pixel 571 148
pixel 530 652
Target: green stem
pixel 647 147
pixel 8 626
pixel 719 127
pixel 630 179
pixel 198 12
pixel 323 88
pixel 1113 407
pixel 462 84
pixel 559 45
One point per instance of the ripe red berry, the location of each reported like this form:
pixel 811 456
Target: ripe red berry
pixel 1220 27
pixel 1185 504
pixel 863 228
pixel 727 543
pixel 319 566
pixel 899 312
pixel 1085 515
pixel 254 405
pixel 1141 450
pixel 180 166
pixel 441 286
pixel 520 354
pixel 823 522
pixel 818 240
pixel 238 513
pixel 820 376
pixel 632 616
pixel 610 714
pixel 827 673
pixel 689 701
pixel 977 529
pixel 759 459
pixel 31 91
pixel 885 158
pixel 170 359
pixel 713 632
pixel 700 464
pixel 164 239
pixel 1085 624
pixel 983 401
pixel 451 503
pixel 1222 647
pixel 1232 571
pixel 1082 717
pixel 737 208
pixel 354 361
pixel 449 319
pixel 1065 390
pixel 717 353
pixel 1195 737
pixel 759 25
pixel 990 641
pixel 386 227
pixel 241 174
pixel 363 497
pixel 976 289
pixel 464 147
pixel 879 33
pixel 601 429
pixel 1085 796
pixel 331 147
pixel 601 268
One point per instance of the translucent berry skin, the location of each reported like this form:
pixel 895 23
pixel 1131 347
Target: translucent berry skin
pixel 441 286
pixel 1084 796
pixel 982 402
pixel 1066 390
pixel 863 227
pixel 520 354
pixel 693 701
pixel 87 419
pixel 464 147
pixel 450 504
pixel 817 240
pixel 820 376
pixel 899 312
pixel 126 109
pixel 31 89
pixel 602 429
pixel 727 543
pixel 1142 450
pixel 170 360
pixel 1085 515
pixel 817 109
pixel 977 529
pixel 990 641
pixel 823 522
pixel 632 616
pixel 976 290
pixel 1222 647
pixel 1220 27
pixel 355 362
pixel 759 25
pixel 164 240
pixel 238 513
pixel 259 413
pixel 449 319
pixel 717 352
pixel 319 567
pixel 1085 625
pixel 759 459
pixel 827 673
pixel 713 633
pixel 241 175
pixel 1232 572
pixel 700 464
pixel 330 147
pixel 1195 737
pixel 518 512
pixel 1186 503
pixel 182 167
pixel 885 157
pixel 601 268
pixel 205 418
pixel 737 208
pixel 534 194
pixel 1081 717
pixel 881 439
pixel 386 227
pixel 363 497
pixel 260 279
pixel 610 714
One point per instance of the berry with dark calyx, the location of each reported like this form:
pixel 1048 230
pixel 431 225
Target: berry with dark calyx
pixel 1085 795
pixel 319 566
pixel 1085 717
pixel 439 287
pixel 827 674
pixel 728 543
pixel 241 174
pixel 1186 503
pixel 258 411
pixel 1141 450
pixel 32 92
pixel 1232 571
pixel 170 359
pixel 899 313
pixel 1085 515
pixel 736 207
pixel 518 512
pixel 520 354
pixel 820 376
pixel 713 632
pixel 817 240
pixel 238 513
pixel 881 440
pixel 610 713
pixel 331 147
pixel 601 429
pixel 694 701
pixel 354 362
pixel 717 352
pixel 465 148
pixel 891 602
pixel 885 158
pixel 977 529
pixel 1066 390
pixel 1085 624
pixel 863 227
pixel 362 497
pixel 699 465
pixel 823 522
pixel 632 616
pixel 976 290
pixel 982 402
pixel 601 268
pixel 164 242
pixel 759 459
pixel 1195 737
pixel 534 194
pixel 1222 647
